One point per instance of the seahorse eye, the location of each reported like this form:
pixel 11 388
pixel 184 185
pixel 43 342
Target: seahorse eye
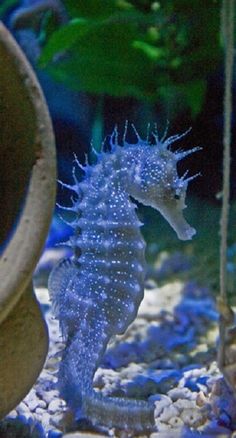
pixel 177 197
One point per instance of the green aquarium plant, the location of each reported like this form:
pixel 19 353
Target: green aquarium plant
pixel 149 50
pixel 145 49
pixel 28 175
pixel 226 352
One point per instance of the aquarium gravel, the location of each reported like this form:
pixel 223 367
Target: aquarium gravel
pixel 167 356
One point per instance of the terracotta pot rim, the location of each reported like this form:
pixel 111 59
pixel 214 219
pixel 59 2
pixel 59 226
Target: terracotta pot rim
pixel 20 256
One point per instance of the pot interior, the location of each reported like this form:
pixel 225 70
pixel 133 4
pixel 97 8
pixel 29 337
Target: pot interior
pixel 17 154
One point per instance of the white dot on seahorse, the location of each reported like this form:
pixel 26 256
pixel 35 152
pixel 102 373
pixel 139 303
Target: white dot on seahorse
pixel 106 279
pixel 89 302
pixel 130 306
pixel 103 335
pixel 83 324
pixel 120 324
pixel 137 287
pixel 103 295
pixel 140 245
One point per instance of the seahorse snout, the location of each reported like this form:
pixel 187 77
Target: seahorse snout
pixel 173 213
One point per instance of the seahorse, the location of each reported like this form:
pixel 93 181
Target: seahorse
pixel 97 292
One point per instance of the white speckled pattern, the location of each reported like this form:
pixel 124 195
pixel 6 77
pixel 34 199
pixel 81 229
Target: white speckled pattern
pixel 97 293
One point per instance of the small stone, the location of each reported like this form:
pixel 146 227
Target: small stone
pixel 55 405
pixel 162 427
pixel 42 404
pixel 201 400
pixel 33 405
pixel 176 422
pixel 48 396
pixel 193 418
pixel 168 413
pixel 47 376
pixel 39 412
pixel 57 419
pixel 12 414
pixel 184 404
pixel 194 372
pixel 45 420
pixel 31 400
pixel 23 409
pixel 161 401
pixel 180 393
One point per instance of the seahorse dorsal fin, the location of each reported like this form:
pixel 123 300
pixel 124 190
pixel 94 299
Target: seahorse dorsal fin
pixel 58 280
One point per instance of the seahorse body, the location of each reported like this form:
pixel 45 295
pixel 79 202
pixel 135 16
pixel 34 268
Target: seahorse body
pixel 96 294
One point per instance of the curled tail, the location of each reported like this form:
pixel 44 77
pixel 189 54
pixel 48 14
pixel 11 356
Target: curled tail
pixel 121 413
pixel 87 333
pixel 80 361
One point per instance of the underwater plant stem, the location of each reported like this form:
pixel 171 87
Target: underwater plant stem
pixel 228 32
pixel 227 28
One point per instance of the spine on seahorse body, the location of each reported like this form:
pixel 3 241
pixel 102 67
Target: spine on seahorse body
pixel 96 294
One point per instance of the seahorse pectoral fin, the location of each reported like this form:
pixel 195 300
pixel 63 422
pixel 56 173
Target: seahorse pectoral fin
pixel 172 212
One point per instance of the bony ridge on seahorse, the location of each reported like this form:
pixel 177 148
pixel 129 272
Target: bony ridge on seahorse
pixel 97 292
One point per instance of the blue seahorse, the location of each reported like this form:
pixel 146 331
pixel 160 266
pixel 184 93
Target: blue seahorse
pixel 97 292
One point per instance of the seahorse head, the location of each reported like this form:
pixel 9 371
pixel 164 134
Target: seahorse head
pixel 156 183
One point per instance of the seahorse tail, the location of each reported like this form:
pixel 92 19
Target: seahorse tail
pixel 120 413
pixel 80 360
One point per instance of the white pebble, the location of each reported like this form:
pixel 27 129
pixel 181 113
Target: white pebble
pixel 42 404
pixel 39 411
pixel 31 400
pixel 184 404
pixel 201 400
pixel 192 417
pixel 47 376
pixel 23 409
pixel 45 419
pixel 176 422
pixel 48 396
pixel 195 372
pixel 162 427
pixel 56 419
pixel 56 405
pixel 12 414
pixel 168 413
pixel 162 402
pixel 177 393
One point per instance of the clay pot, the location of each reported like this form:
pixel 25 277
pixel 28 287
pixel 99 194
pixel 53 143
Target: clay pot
pixel 27 192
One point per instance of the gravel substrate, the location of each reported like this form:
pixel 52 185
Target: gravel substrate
pixel 167 356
